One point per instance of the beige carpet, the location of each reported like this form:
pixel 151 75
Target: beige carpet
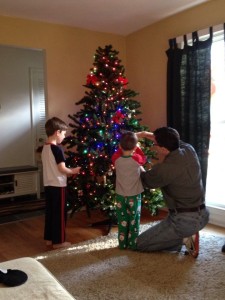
pixel 97 269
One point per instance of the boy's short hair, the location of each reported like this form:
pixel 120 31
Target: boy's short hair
pixel 167 137
pixel 128 141
pixel 54 124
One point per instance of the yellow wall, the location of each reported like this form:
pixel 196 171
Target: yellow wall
pixel 147 60
pixel 69 57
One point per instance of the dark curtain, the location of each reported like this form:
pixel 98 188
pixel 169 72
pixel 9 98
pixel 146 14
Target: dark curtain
pixel 188 94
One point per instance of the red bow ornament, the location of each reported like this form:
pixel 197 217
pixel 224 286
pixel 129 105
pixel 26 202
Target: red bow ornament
pixel 123 80
pixel 118 117
pixel 91 79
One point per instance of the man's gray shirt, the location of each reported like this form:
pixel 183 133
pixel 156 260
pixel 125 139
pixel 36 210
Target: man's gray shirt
pixel 179 177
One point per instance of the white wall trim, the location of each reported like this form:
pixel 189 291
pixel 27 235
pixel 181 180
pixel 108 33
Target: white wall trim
pixel 217 216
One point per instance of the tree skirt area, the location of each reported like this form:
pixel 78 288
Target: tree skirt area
pixel 97 269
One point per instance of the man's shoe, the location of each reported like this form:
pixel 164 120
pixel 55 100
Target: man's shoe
pixel 223 248
pixel 192 245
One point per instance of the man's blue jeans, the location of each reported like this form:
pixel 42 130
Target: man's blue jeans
pixel 169 233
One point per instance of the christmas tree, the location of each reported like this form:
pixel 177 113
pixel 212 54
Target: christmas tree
pixel 108 109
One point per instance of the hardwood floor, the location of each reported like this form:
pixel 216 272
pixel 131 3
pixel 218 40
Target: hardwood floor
pixel 25 237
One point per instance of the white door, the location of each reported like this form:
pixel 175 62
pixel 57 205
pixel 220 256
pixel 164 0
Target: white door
pixel 20 94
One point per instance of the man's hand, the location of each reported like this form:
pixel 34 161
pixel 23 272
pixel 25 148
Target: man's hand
pixel 145 134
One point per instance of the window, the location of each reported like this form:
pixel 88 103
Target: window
pixel 215 191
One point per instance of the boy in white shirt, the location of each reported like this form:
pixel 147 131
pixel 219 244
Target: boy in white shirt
pixel 55 175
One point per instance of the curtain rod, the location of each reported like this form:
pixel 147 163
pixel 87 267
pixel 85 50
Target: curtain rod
pixel 201 33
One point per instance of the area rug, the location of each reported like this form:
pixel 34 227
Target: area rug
pixel 97 269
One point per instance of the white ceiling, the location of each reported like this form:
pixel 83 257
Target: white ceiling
pixel 112 16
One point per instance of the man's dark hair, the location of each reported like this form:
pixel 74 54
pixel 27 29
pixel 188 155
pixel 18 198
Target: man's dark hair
pixel 128 141
pixel 167 137
pixel 54 124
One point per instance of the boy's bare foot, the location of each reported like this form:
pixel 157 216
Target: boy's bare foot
pixel 48 243
pixel 62 245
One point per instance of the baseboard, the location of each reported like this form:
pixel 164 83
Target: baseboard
pixel 217 216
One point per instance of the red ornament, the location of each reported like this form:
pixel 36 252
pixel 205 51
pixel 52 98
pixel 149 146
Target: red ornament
pixel 118 117
pixel 91 79
pixel 123 80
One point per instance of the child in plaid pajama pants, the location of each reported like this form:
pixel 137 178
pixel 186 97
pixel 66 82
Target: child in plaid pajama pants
pixel 128 161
